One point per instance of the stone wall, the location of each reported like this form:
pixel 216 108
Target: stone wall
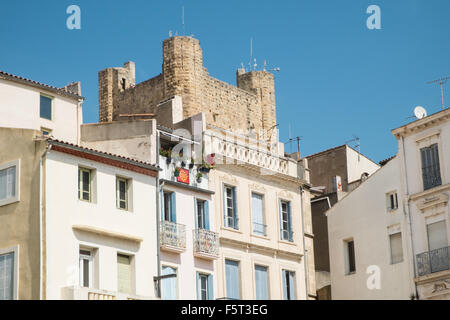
pixel 248 106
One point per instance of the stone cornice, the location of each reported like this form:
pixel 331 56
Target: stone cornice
pixel 107 233
pixel 422 124
pixel 430 192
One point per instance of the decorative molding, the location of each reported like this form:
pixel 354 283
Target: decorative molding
pixel 107 233
pixel 257 187
pixel 432 201
pixel 429 136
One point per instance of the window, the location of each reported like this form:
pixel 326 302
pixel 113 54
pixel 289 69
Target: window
pixel 205 287
pixel 395 241
pixel 122 193
pixel 124 273
pixel 259 228
pixel 7 268
pixel 46 132
pixel 261 283
pixel 288 285
pixel 350 266
pixel 85 184
pixel 392 201
pixel 169 285
pixel 46 107
pixel 86 268
pixel 230 208
pixel 201 214
pixel 431 173
pixel 9 183
pixel 437 235
pixel 169 207
pixel 232 279
pixel 286 221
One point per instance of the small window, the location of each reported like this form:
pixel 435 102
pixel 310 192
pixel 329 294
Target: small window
pixel 169 207
pixel 286 221
pixel 7 269
pixel 86 268
pixel 85 184
pixel 122 193
pixel 46 132
pixel 350 263
pixel 288 285
pixel 392 201
pixel 169 287
pixel 46 107
pixel 395 241
pixel 9 181
pixel 202 214
pixel 230 208
pixel 204 286
pixel 124 284
pixel 259 227
pixel 431 171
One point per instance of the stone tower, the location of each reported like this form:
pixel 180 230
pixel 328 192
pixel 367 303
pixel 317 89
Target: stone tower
pixel 248 106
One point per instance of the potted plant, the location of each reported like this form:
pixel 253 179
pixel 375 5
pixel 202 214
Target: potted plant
pixel 167 154
pixel 206 167
pixel 191 165
pixel 176 173
pixel 183 164
pixel 199 177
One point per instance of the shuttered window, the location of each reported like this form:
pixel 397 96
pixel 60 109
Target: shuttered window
pixel 230 207
pixel 86 268
pixel 169 207
pixel 232 279
pixel 205 286
pixel 7 276
pixel 286 221
pixel 169 285
pixel 124 273
pixel 7 183
pixel 437 235
pixel 396 247
pixel 259 228
pixel 201 214
pixel 261 283
pixel 431 172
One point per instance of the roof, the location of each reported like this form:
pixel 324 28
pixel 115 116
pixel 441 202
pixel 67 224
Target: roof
pixel 337 148
pixel 111 156
pixel 385 161
pixel 61 91
pixel 420 124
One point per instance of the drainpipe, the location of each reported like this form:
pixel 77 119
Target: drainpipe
pixel 304 245
pixel 408 216
pixel 158 214
pixel 41 240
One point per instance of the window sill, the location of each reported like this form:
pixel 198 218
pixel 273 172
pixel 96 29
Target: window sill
pixel 351 273
pixel 260 236
pixel 231 229
pixel 8 201
pixel 292 243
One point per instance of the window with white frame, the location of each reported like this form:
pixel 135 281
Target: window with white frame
pixel 86 268
pixel 392 201
pixel 122 185
pixel 8 274
pixel 124 273
pixel 395 241
pixel 9 183
pixel 85 184
pixel 230 207
pixel 259 228
pixel 288 284
pixel 286 221
pixel 205 286
pixel 169 287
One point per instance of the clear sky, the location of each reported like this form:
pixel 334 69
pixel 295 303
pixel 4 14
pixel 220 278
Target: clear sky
pixel 338 78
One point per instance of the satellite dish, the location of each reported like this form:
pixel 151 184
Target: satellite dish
pixel 420 112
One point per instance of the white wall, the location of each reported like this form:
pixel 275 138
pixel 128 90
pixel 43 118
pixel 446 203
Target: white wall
pixel 64 210
pixel 357 164
pixel 20 108
pixel 363 216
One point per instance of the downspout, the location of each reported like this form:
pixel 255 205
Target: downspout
pixel 42 294
pixel 408 216
pixel 304 245
pixel 158 215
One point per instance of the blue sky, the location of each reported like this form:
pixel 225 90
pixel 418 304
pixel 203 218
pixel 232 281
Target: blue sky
pixel 337 78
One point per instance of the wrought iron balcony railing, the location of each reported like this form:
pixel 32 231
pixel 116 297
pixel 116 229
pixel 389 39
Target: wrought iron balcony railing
pixel 173 235
pixel 206 243
pixel 433 261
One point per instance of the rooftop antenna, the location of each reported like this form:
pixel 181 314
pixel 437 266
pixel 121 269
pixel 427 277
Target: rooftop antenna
pixel 441 82
pixel 298 139
pixel 255 65
pixel 251 55
pixel 357 146
pixel 182 18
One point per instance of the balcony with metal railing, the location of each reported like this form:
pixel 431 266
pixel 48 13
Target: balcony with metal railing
pixel 173 237
pixel 206 244
pixel 431 177
pixel 433 261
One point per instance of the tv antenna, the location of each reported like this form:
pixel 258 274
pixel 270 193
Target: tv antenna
pixel 441 82
pixel 251 55
pixel 273 69
pixel 298 139
pixel 357 145
pixel 182 19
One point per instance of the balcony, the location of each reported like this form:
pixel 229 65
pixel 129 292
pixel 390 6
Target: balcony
pixel 79 293
pixel 433 261
pixel 431 177
pixel 206 244
pixel 173 237
pixel 168 167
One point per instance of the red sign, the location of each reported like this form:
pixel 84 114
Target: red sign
pixel 184 176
